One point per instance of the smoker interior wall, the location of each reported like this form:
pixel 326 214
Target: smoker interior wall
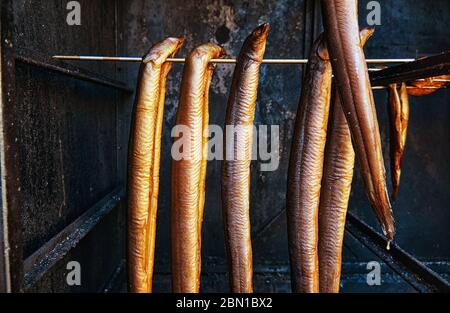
pixel 69 137
pixel 408 29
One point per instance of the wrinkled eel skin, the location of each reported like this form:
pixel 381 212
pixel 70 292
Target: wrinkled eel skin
pixel 421 85
pixel 398 122
pixel 188 174
pixel 335 192
pixel 352 79
pixel 144 156
pixel 305 170
pixel 236 171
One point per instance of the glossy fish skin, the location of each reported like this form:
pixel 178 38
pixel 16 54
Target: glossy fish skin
pixel 143 167
pixel 398 122
pixel 305 170
pixel 350 70
pixel 188 174
pixel 428 82
pixel 236 171
pixel 335 192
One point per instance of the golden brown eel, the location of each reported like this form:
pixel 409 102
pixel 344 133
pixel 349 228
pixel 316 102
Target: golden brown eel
pixel 350 69
pixel 236 170
pixel 188 173
pixel 335 192
pixel 398 122
pixel 428 85
pixel 144 156
pixel 305 170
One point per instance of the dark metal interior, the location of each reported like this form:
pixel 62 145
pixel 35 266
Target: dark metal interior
pixel 66 125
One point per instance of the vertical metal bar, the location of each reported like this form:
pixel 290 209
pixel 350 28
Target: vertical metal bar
pixel 11 197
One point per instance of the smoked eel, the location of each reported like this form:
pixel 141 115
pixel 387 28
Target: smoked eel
pixel 143 166
pixel 305 170
pixel 398 122
pixel 350 70
pixel 236 166
pixel 428 85
pixel 335 192
pixel 189 169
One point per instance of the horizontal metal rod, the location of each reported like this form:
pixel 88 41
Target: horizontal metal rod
pixel 233 61
pixel 411 87
pixel 227 61
pixel 440 80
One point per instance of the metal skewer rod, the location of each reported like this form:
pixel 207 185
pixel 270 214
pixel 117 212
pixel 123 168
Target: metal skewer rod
pixel 231 61
pixel 182 60
pixel 440 80
pixel 411 87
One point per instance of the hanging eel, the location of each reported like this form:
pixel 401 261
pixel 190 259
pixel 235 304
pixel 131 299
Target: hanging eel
pixel 305 169
pixel 398 122
pixel 143 165
pixel 236 169
pixel 335 192
pixel 189 172
pixel 350 69
pixel 428 85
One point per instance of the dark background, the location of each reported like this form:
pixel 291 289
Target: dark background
pixel 72 134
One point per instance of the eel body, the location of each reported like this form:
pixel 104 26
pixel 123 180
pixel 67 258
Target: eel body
pixel 352 79
pixel 398 122
pixel 144 156
pixel 335 192
pixel 236 167
pixel 428 85
pixel 189 172
pixel 305 170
